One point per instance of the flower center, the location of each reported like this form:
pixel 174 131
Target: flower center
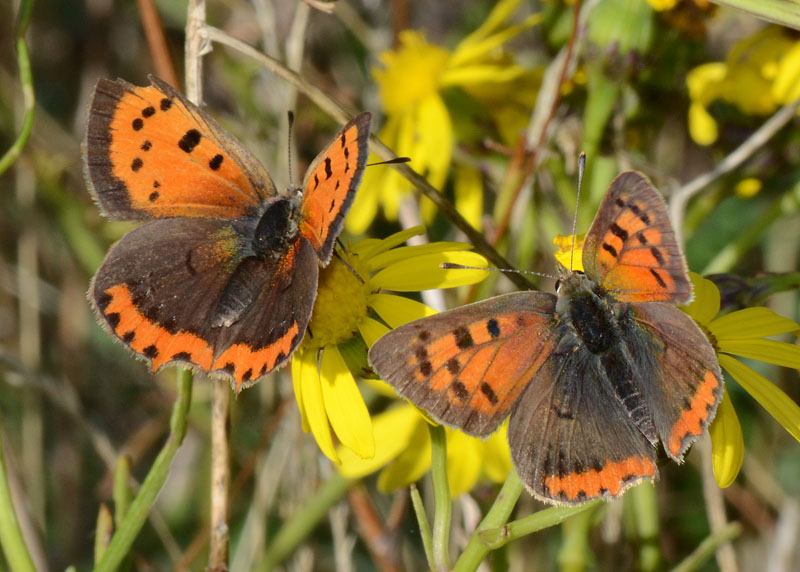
pixel 412 72
pixel 341 302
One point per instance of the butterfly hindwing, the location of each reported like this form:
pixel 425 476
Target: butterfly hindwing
pixel 631 249
pixel 162 289
pixel 685 390
pixel 151 153
pixel 570 438
pixel 468 366
pixel 330 185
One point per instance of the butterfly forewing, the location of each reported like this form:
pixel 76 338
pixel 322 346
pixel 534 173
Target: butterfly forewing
pixel 330 185
pixel 468 366
pixel 631 249
pixel 150 152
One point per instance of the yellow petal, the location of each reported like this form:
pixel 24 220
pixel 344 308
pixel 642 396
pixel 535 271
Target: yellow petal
pixel 398 310
pixel 297 372
pixel 787 80
pixel 776 402
pixel 404 253
pixel 365 205
pixel 370 247
pixel 463 461
pixel 474 49
pixel 426 274
pixel 751 323
pixel 371 330
pixel 748 188
pixel 702 126
pixel 412 463
pixel 315 406
pixel 501 12
pixel 347 412
pixel 565 255
pixel 393 431
pixel 468 187
pixel 727 443
pixel 481 73
pixel 704 82
pixel 770 351
pixel 705 304
pixel 497 456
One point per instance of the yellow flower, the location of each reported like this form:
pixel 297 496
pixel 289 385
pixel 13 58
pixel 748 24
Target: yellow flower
pixel 349 294
pixel 662 5
pixel 742 333
pixel 418 123
pixel 760 73
pixel 404 453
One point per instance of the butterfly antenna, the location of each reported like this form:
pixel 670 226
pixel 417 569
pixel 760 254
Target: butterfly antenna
pixel 289 154
pixel 581 167
pixel 350 268
pixel 394 161
pixel 454 266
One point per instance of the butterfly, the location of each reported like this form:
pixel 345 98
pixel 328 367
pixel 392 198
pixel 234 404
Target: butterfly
pixel 593 378
pixel 222 275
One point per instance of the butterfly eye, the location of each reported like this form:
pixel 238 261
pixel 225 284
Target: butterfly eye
pixel 558 284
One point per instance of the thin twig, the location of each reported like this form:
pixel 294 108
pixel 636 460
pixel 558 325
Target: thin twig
pixel 715 508
pixel 157 42
pixel 220 476
pixel 549 99
pixel 341 115
pixel 196 46
pixel 680 198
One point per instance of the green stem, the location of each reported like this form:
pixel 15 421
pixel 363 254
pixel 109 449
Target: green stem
pixel 706 549
pixel 305 519
pixel 491 532
pixel 121 492
pixel 575 554
pixel 644 503
pixel 424 527
pixel 14 547
pixel 122 541
pixel 443 505
pixel 26 79
pixel 545 519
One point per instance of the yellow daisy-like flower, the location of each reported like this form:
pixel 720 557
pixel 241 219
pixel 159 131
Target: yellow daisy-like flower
pixel 759 74
pixel 743 334
pixel 418 123
pixel 348 296
pixel 403 447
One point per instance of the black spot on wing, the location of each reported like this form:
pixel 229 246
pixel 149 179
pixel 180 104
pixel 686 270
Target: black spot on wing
pixel 148 111
pixel 493 328
pixel 463 338
pixel 610 249
pixel 619 231
pixel 190 140
pixel 460 390
pixel 487 390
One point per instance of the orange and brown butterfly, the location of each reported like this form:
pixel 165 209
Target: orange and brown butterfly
pixel 222 276
pixel 593 378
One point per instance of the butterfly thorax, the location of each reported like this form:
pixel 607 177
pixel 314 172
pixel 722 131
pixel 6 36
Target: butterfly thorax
pixel 584 306
pixel 278 228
